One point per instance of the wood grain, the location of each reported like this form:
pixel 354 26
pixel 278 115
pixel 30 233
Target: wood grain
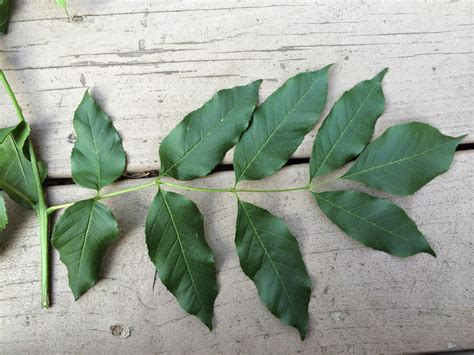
pixel 151 62
pixel 363 301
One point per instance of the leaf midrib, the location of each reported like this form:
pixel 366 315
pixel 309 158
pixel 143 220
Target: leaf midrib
pixel 86 235
pixel 96 151
pixel 344 130
pixel 275 130
pixel 271 261
pixel 182 250
pixel 397 161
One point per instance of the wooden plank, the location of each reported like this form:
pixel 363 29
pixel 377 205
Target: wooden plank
pixel 362 300
pixel 151 62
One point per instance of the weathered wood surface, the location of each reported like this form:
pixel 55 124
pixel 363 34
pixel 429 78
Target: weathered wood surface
pixel 151 62
pixel 362 300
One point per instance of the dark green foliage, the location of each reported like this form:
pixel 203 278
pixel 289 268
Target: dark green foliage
pixel 16 171
pixel 197 144
pixel 404 158
pixel 374 222
pixel 176 245
pixel 4 15
pixel 348 127
pixel 82 235
pixel 270 256
pixel 280 124
pixel 98 158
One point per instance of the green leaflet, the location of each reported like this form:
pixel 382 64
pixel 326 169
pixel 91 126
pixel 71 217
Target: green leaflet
pixel 197 144
pixel 3 214
pixel 4 15
pixel 270 256
pixel 175 238
pixel 404 158
pixel 348 127
pixel 16 172
pixel 98 158
pixel 280 124
pixel 374 222
pixel 82 235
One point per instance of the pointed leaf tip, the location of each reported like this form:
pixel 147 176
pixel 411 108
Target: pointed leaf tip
pixel 329 66
pixel 430 251
pixel 382 74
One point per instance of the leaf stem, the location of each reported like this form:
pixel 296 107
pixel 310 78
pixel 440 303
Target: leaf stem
pixel 105 196
pixel 43 220
pixel 290 189
pixel 232 189
pixel 158 182
pixel 55 208
pixel 191 188
pixel 127 190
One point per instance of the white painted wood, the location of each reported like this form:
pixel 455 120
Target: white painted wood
pixel 149 62
pixel 363 301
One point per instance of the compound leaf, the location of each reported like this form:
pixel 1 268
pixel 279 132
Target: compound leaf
pixel 197 144
pixel 16 172
pixel 175 238
pixel 349 126
pixel 280 124
pixel 3 214
pixel 374 222
pixel 98 158
pixel 404 158
pixel 82 235
pixel 4 15
pixel 270 256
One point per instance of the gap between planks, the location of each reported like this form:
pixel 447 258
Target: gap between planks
pixel 220 168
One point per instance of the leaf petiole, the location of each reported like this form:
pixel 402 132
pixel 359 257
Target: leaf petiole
pixel 43 220
pixel 105 196
pixel 158 182
pixel 127 190
pixel 40 207
pixel 232 189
